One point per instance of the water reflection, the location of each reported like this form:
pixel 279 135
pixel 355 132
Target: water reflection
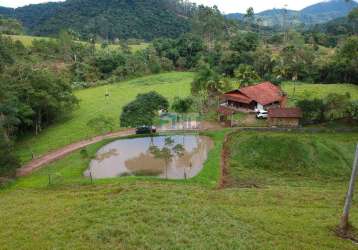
pixel 106 155
pixel 136 157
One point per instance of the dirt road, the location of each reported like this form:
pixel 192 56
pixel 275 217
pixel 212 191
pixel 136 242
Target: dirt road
pixel 59 153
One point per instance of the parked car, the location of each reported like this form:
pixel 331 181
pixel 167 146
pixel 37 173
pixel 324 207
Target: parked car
pixel 262 114
pixel 145 130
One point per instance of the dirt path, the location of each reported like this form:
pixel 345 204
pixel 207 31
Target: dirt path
pixel 224 162
pixel 60 153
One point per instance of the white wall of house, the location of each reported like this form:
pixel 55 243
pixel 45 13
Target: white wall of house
pixel 259 107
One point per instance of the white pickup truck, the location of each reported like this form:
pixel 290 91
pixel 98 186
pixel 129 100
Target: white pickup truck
pixel 261 114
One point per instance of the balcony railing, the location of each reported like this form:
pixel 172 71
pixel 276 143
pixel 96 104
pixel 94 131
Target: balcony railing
pixel 237 109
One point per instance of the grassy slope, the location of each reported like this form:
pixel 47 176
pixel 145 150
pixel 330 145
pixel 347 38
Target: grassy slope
pixel 93 103
pixel 306 90
pixel 260 157
pixel 159 215
pixel 27 42
pixel 291 212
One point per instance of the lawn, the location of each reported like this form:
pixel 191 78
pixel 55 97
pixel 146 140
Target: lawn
pixel 260 157
pixel 310 91
pixel 289 210
pixel 27 40
pixel 94 103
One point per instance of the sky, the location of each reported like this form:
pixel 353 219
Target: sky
pixel 226 6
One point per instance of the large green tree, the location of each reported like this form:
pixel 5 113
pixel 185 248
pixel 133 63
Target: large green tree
pixel 208 80
pixel 143 110
pixel 39 97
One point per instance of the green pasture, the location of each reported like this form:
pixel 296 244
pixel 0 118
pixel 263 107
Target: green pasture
pixel 302 90
pixel 94 103
pixel 27 42
pixel 280 197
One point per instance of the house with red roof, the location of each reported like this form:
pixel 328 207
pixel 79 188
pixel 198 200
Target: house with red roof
pixel 262 96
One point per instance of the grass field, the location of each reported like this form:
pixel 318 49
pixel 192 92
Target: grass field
pixel 310 91
pixel 288 211
pixel 27 42
pixel 94 103
pixel 264 156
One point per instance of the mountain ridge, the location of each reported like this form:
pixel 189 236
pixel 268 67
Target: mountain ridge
pixel 314 14
pixel 109 19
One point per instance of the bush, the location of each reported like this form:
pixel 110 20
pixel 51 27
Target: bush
pixel 353 110
pixel 313 110
pixel 333 107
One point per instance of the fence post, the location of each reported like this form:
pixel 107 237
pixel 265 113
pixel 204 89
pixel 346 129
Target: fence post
pixel 91 177
pixel 349 197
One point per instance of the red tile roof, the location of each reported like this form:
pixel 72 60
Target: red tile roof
pixel 237 97
pixel 263 93
pixel 285 113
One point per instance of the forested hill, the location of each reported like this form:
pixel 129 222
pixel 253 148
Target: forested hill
pixel 112 19
pixel 314 14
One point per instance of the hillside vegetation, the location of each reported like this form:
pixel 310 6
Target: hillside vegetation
pixel 109 19
pixel 94 103
pixel 28 41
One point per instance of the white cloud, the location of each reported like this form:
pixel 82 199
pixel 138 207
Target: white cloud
pixel 227 6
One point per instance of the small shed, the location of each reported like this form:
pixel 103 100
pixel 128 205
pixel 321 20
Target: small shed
pixel 224 114
pixel 284 117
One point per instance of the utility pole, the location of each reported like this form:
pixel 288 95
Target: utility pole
pixel 285 25
pixel 349 198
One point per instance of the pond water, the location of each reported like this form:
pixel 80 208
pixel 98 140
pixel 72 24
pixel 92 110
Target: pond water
pixel 172 157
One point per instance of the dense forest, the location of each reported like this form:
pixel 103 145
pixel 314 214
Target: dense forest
pixel 108 19
pixel 38 81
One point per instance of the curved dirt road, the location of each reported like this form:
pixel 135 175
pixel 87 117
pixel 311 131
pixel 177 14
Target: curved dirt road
pixel 59 153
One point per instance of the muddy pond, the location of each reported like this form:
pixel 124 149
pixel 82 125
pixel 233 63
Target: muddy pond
pixel 172 157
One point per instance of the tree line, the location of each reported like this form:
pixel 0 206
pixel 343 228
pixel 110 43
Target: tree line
pixel 31 99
